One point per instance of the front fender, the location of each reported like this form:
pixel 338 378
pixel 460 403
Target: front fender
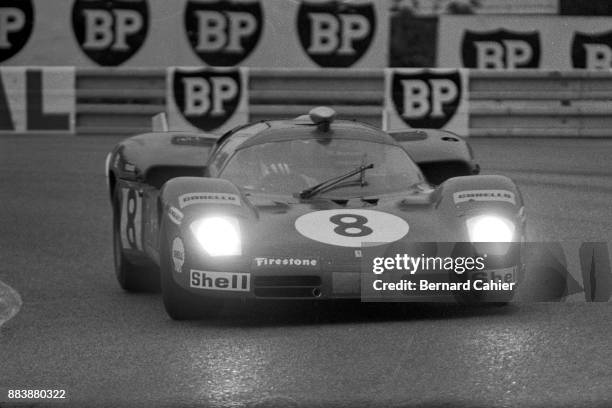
pixel 460 198
pixel 473 194
pixel 183 200
pixel 466 197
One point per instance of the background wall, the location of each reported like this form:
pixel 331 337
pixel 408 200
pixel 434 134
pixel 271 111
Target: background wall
pixel 160 33
pixel 537 71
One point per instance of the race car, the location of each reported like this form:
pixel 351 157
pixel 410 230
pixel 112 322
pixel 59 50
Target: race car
pixel 290 209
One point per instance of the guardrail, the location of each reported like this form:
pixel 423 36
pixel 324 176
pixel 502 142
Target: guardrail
pixel 118 101
pixel 282 92
pixel 519 103
pixel 541 103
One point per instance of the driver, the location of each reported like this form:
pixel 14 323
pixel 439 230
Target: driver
pixel 281 168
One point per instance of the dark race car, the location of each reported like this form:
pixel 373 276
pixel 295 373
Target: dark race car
pixel 287 209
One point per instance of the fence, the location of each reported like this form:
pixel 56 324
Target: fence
pixel 541 103
pixel 510 103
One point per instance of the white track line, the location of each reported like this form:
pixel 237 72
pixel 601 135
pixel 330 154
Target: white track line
pixel 10 303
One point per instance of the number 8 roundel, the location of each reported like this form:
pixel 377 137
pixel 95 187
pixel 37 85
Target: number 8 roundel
pixel 351 227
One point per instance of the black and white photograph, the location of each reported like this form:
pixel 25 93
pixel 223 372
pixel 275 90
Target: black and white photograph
pixel 306 203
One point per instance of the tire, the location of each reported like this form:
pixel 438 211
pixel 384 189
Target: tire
pixel 178 302
pixel 131 277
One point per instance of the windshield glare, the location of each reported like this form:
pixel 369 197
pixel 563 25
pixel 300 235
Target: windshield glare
pixel 289 167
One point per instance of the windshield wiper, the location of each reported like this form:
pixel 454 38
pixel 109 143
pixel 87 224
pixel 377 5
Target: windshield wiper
pixel 314 190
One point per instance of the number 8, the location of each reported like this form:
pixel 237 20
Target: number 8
pixel 355 228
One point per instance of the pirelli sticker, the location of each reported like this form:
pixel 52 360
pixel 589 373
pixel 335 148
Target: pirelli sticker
pixel 484 195
pixel 208 198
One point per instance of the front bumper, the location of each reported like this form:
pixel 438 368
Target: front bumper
pixel 340 282
pixel 340 274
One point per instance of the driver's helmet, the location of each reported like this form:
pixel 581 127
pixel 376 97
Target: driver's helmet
pixel 289 162
pixel 275 161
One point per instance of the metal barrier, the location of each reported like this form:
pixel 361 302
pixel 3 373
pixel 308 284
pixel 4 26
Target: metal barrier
pixel 118 101
pixel 122 101
pixel 541 103
pixel 519 103
pixel 281 93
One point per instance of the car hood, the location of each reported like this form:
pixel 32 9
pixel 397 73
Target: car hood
pixel 324 228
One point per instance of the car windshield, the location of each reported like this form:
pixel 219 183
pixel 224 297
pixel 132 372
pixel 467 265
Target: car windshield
pixel 289 167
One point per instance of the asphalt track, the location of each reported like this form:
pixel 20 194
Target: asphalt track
pixel 78 331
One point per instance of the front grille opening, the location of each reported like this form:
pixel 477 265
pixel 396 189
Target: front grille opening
pixel 285 292
pixel 276 281
pixel 287 286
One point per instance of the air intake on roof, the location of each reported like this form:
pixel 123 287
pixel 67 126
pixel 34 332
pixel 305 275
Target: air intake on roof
pixel 322 117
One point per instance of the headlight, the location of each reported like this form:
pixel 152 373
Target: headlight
pixel 490 228
pixel 219 236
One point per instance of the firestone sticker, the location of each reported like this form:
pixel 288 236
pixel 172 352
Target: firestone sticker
pixel 208 198
pixel 265 262
pixel 484 195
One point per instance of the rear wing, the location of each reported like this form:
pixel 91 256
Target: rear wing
pixel 159 122
pixel 161 154
pixel 439 153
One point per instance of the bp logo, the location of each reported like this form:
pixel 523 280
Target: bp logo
pixel 207 98
pixel 426 99
pixel 223 33
pixel 16 23
pixel 592 51
pixel 336 34
pixel 500 49
pixel 110 31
